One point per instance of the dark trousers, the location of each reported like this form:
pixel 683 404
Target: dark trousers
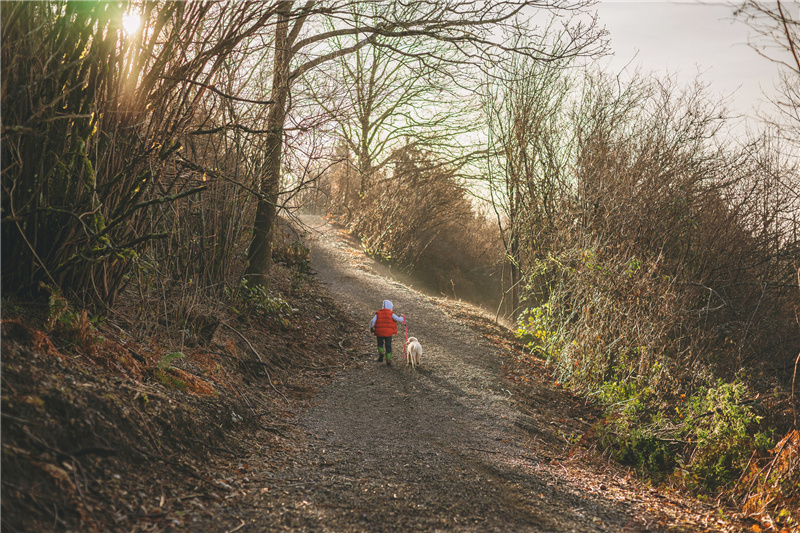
pixel 385 342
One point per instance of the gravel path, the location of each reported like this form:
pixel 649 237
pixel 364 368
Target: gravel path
pixel 446 447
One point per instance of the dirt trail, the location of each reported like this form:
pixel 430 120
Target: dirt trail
pixel 445 448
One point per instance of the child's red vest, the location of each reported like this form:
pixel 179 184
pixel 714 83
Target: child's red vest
pixel 385 326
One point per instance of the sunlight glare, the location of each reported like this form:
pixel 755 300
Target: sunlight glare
pixel 130 23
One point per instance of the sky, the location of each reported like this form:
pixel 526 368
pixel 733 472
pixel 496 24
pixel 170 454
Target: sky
pixel 684 38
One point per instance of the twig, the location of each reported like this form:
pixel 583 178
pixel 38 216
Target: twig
pixel 238 392
pixel 304 367
pixel 147 515
pixel 147 427
pixel 213 89
pixel 794 375
pixel 794 404
pixel 486 451
pixel 237 528
pixel 14 418
pixel 771 466
pixel 95 450
pixel 243 338
pixel 76 466
pixel 269 378
pixel 744 472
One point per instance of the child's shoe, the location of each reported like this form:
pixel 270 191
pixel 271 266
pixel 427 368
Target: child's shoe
pixel 389 358
pixel 381 351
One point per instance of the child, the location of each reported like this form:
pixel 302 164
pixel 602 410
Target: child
pixel 384 325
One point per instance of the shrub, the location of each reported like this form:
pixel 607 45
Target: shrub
pixel 722 431
pixel 258 300
pixel 422 220
pixel 771 486
pixel 704 444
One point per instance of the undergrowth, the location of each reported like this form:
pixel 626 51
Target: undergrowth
pixel 260 301
pixel 615 330
pixel 105 415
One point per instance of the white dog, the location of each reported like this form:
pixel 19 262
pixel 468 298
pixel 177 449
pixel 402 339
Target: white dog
pixel 413 352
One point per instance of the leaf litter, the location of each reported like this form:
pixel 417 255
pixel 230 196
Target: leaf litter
pixel 319 438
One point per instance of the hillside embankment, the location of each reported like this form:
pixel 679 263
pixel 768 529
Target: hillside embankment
pixel 298 428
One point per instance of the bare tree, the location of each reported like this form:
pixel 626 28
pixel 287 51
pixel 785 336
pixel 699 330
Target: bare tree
pixel 652 209
pixel 382 98
pixel 777 38
pixel 469 28
pixel 92 120
pixel 526 105
pixel 777 27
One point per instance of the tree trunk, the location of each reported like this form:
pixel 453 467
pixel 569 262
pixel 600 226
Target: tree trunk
pixel 516 276
pixel 515 230
pixel 364 164
pixel 260 252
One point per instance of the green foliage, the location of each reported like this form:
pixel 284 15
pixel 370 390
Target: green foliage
pixel 634 265
pixel 9 307
pixel 376 252
pixel 722 428
pixel 705 443
pixel 626 398
pixel 538 328
pixel 258 300
pixel 638 446
pixel 718 412
pixel 624 435
pixel 59 312
pixel 610 327
pixel 168 380
pixel 167 360
pixel 74 328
